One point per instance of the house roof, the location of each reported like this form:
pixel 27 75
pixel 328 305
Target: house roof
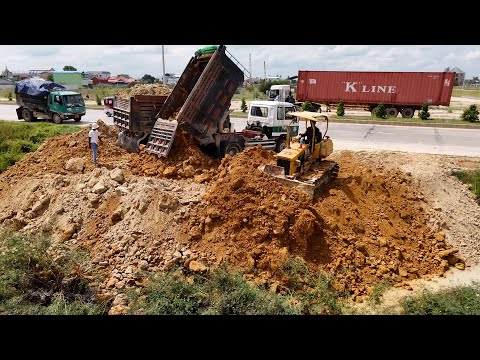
pixel 457 70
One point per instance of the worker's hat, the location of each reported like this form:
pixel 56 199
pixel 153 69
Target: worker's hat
pixel 95 126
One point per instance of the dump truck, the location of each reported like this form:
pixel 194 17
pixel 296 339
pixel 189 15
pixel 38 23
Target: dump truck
pixel 39 99
pixel 199 104
pixel 400 92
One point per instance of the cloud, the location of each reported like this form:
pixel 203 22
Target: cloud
pixel 284 60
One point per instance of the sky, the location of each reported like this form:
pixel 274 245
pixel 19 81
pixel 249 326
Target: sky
pixel 283 60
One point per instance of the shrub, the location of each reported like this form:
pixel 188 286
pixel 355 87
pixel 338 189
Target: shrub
pixel 380 112
pixel 10 95
pixel 256 94
pixel 308 106
pixel 461 300
pixel 424 114
pixel 470 114
pixel 341 108
pixel 220 292
pixel 98 99
pixel 244 105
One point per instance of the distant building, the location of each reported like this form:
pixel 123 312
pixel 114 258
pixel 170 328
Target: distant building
pixel 72 80
pixel 41 73
pixel 98 74
pixel 6 73
pixel 121 81
pixel 171 78
pixel 459 76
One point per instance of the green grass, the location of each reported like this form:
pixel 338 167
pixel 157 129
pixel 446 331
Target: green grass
pixel 462 300
pixel 377 292
pixel 18 139
pixel 406 120
pixel 221 292
pixel 474 93
pixel 239 114
pixel 471 177
pixel 32 282
pixel 248 95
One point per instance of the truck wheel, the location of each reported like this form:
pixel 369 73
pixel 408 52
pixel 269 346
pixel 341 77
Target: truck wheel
pixel 281 144
pixel 392 112
pixel 230 148
pixel 374 110
pixel 57 119
pixel 408 113
pixel 78 119
pixel 27 115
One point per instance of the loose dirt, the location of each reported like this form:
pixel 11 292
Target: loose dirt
pixel 145 89
pixel 388 216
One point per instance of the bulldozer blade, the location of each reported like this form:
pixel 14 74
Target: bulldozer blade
pixel 313 186
pixel 129 143
pixel 274 170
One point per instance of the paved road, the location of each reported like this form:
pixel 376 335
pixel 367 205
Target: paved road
pixel 7 112
pixel 446 141
pixel 431 140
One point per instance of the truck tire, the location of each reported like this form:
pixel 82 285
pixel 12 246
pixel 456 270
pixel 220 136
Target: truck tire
pixel 392 112
pixel 57 119
pixel 374 110
pixel 408 113
pixel 281 144
pixel 27 114
pixel 77 119
pixel 230 148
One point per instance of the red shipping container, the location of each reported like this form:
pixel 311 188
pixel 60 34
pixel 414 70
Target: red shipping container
pixel 401 89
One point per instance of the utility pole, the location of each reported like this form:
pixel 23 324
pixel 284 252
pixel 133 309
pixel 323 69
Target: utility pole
pixel 250 66
pixel 163 61
pixel 264 71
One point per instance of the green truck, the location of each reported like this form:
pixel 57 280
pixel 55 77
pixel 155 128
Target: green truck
pixel 38 99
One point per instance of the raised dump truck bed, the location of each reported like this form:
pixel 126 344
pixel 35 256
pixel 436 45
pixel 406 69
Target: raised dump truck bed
pixel 137 114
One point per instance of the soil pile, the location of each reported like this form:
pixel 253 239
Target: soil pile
pixel 368 226
pixel 185 160
pixel 145 89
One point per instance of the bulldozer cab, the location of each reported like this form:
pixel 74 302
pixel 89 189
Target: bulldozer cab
pixel 310 118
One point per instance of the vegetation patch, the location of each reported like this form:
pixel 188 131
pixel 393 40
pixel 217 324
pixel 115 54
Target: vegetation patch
pixel 471 177
pixel 18 139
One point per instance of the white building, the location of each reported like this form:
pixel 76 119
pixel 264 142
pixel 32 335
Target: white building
pixel 98 74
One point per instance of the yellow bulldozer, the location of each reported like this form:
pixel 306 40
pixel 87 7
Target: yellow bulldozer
pixel 302 163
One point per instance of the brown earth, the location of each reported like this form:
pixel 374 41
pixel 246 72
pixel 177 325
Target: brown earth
pixel 367 226
pixel 136 213
pixel 145 89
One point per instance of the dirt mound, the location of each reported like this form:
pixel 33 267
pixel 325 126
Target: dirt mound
pixel 368 226
pixel 185 160
pixel 145 89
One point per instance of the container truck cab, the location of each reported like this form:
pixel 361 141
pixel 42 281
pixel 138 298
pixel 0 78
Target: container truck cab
pixel 278 92
pixel 272 119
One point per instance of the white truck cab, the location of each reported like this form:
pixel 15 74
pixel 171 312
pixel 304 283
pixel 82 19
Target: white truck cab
pixel 279 92
pixel 271 117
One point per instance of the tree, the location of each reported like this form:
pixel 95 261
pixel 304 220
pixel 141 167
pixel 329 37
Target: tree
pixel 424 114
pixel 69 68
pixel 341 108
pixel 149 79
pixel 50 77
pixel 244 105
pixel 307 106
pixel 470 114
pixel 381 111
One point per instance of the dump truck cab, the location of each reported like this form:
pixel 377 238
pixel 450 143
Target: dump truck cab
pixel 67 104
pixel 278 92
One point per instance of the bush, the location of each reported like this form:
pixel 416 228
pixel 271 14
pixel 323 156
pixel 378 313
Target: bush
pixel 10 95
pixel 256 94
pixel 98 99
pixel 341 108
pixel 471 177
pixel 380 112
pixel 461 300
pixel 308 106
pixel 424 114
pixel 244 105
pixel 470 114
pixel 33 282
pixel 221 292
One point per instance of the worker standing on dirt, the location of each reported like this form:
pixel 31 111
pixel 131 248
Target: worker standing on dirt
pixel 93 140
